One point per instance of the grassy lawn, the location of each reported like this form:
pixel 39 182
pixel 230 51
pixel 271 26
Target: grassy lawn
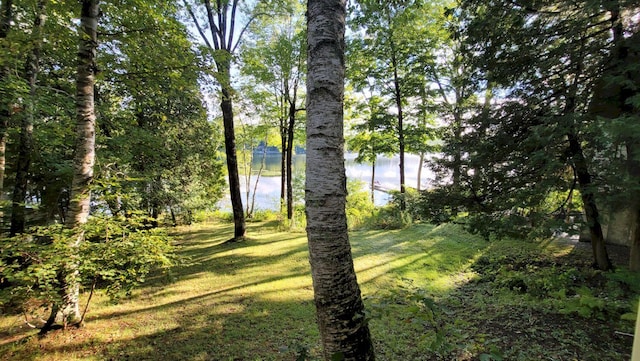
pixel 433 293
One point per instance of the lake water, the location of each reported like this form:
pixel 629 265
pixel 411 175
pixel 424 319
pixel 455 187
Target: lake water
pixel 387 175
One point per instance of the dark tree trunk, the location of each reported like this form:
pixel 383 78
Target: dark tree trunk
pixel 290 133
pixel 373 180
pixel 19 198
pixel 601 258
pixel 627 53
pixel 6 16
pixel 224 67
pixel 283 162
pixel 340 311
pixel 401 145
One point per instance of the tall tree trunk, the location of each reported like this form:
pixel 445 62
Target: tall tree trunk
pixel 340 311
pixel 373 180
pixel 401 145
pixel 587 191
pixel 587 194
pixel 634 255
pixel 19 197
pixel 260 170
pixel 420 165
pixel 283 162
pixel 221 23
pixel 83 161
pixel 6 16
pixel 290 133
pixel 457 158
pixel 627 53
pixel 224 68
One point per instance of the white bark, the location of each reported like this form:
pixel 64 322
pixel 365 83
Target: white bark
pixel 340 311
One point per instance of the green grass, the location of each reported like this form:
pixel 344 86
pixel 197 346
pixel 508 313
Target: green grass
pixel 432 293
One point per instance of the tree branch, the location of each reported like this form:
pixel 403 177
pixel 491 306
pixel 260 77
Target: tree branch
pixel 195 20
pixel 244 28
pixel 215 32
pixel 233 22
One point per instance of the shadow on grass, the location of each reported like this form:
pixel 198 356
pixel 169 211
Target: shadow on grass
pixel 253 300
pixel 254 330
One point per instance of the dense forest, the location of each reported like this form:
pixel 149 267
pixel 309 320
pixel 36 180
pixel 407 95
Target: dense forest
pixel 122 121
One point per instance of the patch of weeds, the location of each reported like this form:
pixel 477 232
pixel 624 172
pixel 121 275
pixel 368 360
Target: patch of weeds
pixel 567 287
pixel 388 217
pixel 420 317
pixel 300 350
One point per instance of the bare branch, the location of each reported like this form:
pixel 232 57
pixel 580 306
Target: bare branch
pixel 215 32
pixel 233 22
pixel 195 20
pixel 244 28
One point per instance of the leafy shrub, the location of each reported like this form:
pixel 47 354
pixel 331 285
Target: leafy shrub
pixel 565 288
pixel 389 217
pixel 117 255
pixel 359 206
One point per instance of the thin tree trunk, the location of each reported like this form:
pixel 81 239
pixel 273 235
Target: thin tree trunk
pixel 255 186
pixel 634 255
pixel 587 193
pixel 6 16
pixel 283 163
pixel 224 67
pixel 401 145
pixel 290 133
pixel 340 311
pixel 224 38
pixel 19 198
pixel 420 165
pixel 248 167
pixel 373 180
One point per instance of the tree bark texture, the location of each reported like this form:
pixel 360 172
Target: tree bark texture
pixel 32 68
pixel 340 311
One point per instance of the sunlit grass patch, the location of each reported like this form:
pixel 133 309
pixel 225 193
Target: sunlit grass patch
pixel 425 288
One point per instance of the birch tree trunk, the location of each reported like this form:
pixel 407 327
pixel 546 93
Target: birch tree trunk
pixel 340 311
pixel 80 197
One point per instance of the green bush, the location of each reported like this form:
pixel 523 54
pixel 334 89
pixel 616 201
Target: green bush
pixel 116 255
pixel 359 206
pixel 389 217
pixel 568 288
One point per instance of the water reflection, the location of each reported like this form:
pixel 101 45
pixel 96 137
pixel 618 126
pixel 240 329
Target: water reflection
pixel 387 175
